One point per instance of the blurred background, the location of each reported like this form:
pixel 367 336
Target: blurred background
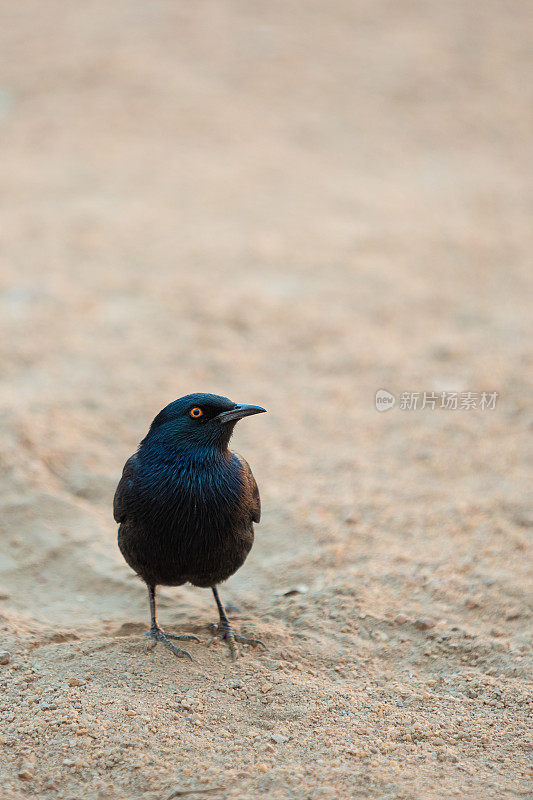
pixel 291 204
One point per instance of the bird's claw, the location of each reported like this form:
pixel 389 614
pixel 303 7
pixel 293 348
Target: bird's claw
pixel 156 635
pixel 184 637
pixel 224 632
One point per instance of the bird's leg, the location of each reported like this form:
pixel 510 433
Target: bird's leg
pixel 223 630
pixel 155 634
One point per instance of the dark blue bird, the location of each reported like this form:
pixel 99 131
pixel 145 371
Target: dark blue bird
pixel 186 505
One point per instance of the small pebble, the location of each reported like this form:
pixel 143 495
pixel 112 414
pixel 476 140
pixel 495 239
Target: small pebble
pixel 400 619
pixel 26 770
pixel 5 657
pixel 425 623
pixel 76 681
pixel 279 738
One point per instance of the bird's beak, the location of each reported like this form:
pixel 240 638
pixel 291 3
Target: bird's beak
pixel 239 412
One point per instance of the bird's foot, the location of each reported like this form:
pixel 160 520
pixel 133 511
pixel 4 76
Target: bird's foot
pixel 156 635
pixel 222 631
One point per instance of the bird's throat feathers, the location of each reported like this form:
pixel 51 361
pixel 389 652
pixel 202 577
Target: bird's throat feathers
pixel 187 475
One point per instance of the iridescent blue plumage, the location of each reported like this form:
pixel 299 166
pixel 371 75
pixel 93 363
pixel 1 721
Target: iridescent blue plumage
pixel 185 503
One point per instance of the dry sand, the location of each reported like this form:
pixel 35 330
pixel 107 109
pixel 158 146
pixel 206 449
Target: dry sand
pixel 293 204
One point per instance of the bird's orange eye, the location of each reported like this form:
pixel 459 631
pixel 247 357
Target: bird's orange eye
pixel 196 412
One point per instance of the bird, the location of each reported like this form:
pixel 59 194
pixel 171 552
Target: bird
pixel 186 506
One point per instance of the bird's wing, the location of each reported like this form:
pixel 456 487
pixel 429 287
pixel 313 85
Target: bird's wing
pixel 252 488
pixel 123 494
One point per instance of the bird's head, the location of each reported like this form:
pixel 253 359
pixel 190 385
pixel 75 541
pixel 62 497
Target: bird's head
pixel 199 420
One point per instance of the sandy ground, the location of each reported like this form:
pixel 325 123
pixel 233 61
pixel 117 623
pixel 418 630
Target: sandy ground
pixel 293 204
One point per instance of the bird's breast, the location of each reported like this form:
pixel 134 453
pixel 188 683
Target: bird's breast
pixel 192 520
pixel 191 495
